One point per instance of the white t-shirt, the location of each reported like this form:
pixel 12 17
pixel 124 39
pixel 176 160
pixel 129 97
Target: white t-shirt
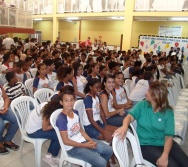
pixel 168 65
pixel 8 42
pixel 93 104
pixel 160 67
pixel 72 126
pixel 1 100
pixel 81 83
pixel 126 73
pixel 139 91
pixel 110 103
pixel 52 80
pixel 41 83
pixel 34 121
pixel 121 96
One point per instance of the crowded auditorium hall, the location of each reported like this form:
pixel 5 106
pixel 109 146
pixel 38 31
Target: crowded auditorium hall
pixel 93 83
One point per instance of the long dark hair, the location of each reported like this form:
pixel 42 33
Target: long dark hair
pixel 104 81
pixel 63 71
pixel 91 82
pixel 38 68
pixel 75 66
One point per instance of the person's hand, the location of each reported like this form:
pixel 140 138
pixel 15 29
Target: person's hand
pixel 90 145
pixel 121 132
pixel 128 106
pixel 121 112
pixel 162 161
pixel 92 142
pixel 4 111
pixel 107 136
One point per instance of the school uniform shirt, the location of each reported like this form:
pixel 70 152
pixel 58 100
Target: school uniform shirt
pixel 15 91
pixel 28 73
pixel 91 103
pixel 1 98
pixel 160 67
pixel 41 83
pixel 81 83
pixel 52 80
pixel 34 121
pixel 71 126
pixel 152 127
pixel 90 77
pixel 139 91
pixel 61 84
pixel 121 96
pixel 83 63
pixel 126 73
pixel 21 77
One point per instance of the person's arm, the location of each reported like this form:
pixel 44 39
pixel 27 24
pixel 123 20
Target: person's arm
pixel 115 104
pixel 6 102
pixel 89 113
pixel 104 105
pixel 76 89
pixel 67 141
pixel 121 132
pixel 102 115
pixel 163 159
pixel 46 124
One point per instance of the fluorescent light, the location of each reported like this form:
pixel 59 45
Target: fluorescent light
pixel 69 21
pixel 180 19
pixel 117 18
pixel 72 18
pixel 38 19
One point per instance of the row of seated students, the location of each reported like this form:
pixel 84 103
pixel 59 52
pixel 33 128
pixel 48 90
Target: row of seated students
pixel 112 98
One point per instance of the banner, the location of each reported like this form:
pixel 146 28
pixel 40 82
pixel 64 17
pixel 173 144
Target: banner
pixel 156 44
pixel 170 31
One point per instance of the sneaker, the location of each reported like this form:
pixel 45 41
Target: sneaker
pixel 56 160
pixel 49 160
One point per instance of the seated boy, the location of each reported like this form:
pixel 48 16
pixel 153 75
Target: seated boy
pixel 14 88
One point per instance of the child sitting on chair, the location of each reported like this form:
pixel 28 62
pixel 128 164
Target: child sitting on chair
pixel 77 143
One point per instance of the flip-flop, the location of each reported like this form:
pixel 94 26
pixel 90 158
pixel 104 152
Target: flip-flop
pixel 12 146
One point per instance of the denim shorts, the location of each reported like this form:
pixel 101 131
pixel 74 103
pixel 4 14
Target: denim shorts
pixel 92 131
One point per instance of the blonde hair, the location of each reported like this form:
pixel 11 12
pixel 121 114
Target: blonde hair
pixel 159 95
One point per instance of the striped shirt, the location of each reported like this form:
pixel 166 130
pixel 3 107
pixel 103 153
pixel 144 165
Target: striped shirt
pixel 15 91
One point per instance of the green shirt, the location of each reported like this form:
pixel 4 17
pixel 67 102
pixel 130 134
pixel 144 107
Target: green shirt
pixel 152 127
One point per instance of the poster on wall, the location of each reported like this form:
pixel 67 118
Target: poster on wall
pixel 170 31
pixel 156 44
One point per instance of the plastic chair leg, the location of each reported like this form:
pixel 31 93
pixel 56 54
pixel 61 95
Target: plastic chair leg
pixel 21 147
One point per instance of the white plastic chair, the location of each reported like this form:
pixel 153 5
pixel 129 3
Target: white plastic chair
pixel 21 108
pixel 3 79
pixel 64 156
pixel 33 72
pixel 121 151
pixel 29 86
pixel 43 95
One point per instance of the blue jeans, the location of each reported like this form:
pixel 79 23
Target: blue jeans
pixel 50 134
pixel 116 120
pixel 177 158
pixel 11 131
pixel 97 157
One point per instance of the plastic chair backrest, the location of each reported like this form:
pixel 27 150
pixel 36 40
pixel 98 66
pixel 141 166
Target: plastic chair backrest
pixel 33 72
pixel 121 151
pixel 43 95
pixel 29 86
pixel 53 119
pixel 3 79
pixel 21 108
pixel 178 76
pixel 79 106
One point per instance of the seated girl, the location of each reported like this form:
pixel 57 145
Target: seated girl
pixel 64 75
pixel 77 143
pixel 155 128
pixel 38 126
pixel 93 71
pixel 92 114
pixel 41 81
pixel 113 116
pixel 79 81
pixel 120 99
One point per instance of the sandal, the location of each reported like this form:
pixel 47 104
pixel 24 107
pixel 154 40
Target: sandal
pixel 3 151
pixel 12 146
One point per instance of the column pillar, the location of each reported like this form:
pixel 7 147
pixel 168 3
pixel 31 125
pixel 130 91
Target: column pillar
pixel 55 22
pixel 128 24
